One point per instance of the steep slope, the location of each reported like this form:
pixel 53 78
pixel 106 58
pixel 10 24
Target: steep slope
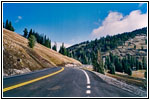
pixel 135 47
pixel 19 58
pixel 122 43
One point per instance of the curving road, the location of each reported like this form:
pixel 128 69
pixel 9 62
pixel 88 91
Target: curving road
pixel 61 82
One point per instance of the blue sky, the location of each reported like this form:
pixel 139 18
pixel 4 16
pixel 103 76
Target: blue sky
pixel 73 23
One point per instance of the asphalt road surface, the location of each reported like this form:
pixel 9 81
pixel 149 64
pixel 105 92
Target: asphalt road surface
pixel 61 82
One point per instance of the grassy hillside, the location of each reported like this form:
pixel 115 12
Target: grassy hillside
pixel 123 42
pixel 17 55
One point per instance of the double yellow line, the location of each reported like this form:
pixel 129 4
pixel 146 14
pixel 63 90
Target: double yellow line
pixel 31 81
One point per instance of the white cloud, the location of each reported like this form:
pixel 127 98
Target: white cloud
pixel 18 19
pixel 60 44
pixel 116 23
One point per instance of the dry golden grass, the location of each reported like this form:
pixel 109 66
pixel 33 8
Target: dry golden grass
pixel 135 80
pixel 138 74
pixel 16 47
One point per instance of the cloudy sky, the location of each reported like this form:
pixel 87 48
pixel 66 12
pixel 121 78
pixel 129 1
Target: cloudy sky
pixel 73 23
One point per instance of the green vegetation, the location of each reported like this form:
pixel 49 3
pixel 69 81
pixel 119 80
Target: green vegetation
pixel 87 53
pixel 63 50
pixel 55 47
pixel 112 68
pixel 42 39
pixel 104 44
pixel 134 46
pixel 32 41
pixel 97 62
pixel 126 64
pixel 25 33
pixel 8 25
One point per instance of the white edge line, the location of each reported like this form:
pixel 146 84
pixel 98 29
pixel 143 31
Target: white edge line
pixel 87 77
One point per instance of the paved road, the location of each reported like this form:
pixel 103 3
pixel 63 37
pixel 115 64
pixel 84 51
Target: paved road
pixel 71 82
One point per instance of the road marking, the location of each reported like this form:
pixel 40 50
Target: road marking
pixel 88 82
pixel 88 91
pixel 88 86
pixel 31 81
pixel 87 77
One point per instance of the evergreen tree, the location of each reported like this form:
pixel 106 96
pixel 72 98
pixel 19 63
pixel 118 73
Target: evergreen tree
pixel 30 33
pixel 100 63
pixel 146 41
pixel 32 41
pixel 112 68
pixel 97 62
pixel 84 59
pixel 129 72
pixel 63 50
pixel 48 43
pixel 140 65
pixel 94 62
pixel 118 65
pixel 107 62
pixel 55 47
pixel 7 24
pixel 144 63
pixel 11 27
pixel 134 46
pixel 142 47
pixel 25 33
pixel 137 64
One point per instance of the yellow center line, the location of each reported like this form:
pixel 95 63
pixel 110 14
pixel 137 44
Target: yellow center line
pixel 31 81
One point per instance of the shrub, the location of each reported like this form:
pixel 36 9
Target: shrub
pixel 32 41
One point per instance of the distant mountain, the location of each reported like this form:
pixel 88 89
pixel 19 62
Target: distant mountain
pixel 19 58
pixel 133 43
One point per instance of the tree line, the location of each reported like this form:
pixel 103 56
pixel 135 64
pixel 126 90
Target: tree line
pixel 40 38
pixel 44 40
pixel 82 51
pixel 34 37
pixel 8 25
pixel 126 64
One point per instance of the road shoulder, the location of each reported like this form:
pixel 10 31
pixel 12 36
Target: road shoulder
pixel 122 85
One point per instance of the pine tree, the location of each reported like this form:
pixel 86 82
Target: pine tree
pixel 107 62
pixel 129 72
pixel 137 64
pixel 100 62
pixel 7 24
pixel 84 59
pixel 134 46
pixel 55 47
pixel 112 68
pixel 30 33
pixel 94 61
pixel 25 33
pixel 97 62
pixel 48 43
pixel 32 41
pixel 63 50
pixel 11 27
pixel 144 63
